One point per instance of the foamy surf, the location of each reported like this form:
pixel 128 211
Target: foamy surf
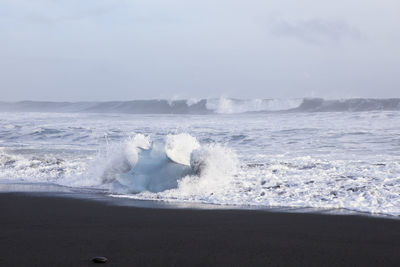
pixel 320 160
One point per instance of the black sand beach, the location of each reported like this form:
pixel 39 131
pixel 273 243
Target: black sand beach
pixel 53 231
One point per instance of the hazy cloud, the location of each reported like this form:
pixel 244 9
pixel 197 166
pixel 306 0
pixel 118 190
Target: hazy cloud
pixel 317 31
pixel 53 11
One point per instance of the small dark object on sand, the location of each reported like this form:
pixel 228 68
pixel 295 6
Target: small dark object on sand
pixel 99 259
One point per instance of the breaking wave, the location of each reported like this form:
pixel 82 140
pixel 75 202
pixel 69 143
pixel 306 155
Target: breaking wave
pixel 206 106
pixel 179 163
pixel 356 104
pixel 234 106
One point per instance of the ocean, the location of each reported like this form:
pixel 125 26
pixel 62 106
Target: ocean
pixel 297 153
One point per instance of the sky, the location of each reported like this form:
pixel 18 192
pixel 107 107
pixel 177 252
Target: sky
pixel 100 50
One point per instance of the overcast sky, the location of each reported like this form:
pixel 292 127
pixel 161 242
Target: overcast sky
pixel 126 49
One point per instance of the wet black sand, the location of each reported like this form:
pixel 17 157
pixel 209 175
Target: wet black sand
pixel 55 231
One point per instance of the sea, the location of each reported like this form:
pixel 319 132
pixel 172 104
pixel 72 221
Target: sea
pixel 255 153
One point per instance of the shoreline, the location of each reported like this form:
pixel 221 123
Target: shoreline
pixel 41 230
pixel 101 195
pixel 104 197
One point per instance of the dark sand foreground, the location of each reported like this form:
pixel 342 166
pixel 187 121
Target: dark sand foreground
pixel 50 231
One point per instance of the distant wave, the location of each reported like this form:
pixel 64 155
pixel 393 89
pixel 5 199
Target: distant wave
pixel 205 106
pixel 354 104
pixel 234 106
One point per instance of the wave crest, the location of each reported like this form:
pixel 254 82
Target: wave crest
pixel 206 106
pixel 180 163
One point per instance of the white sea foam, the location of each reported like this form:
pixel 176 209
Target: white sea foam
pixel 192 101
pixel 119 158
pixel 231 106
pixel 39 168
pixel 214 167
pixel 179 147
pixel 204 169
